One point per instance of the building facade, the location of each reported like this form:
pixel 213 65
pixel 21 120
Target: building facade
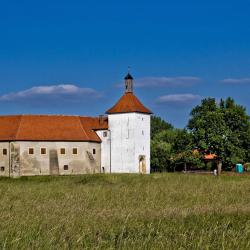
pixel 66 145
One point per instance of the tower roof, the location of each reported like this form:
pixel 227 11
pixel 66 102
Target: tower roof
pixel 128 103
pixel 128 77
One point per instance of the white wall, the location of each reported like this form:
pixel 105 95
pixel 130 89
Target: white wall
pixel 38 164
pixel 142 141
pixel 105 150
pixel 130 137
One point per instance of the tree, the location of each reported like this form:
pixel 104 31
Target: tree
pixel 220 129
pixel 160 155
pixel 183 150
pixel 161 144
pixel 158 125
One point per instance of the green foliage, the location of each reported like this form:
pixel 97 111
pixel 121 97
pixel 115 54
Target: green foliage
pixel 222 129
pixel 158 211
pixel 161 155
pixel 159 125
pixel 171 147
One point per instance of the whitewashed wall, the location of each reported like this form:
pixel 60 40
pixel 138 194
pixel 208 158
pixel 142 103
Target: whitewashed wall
pixel 38 164
pixel 130 137
pixel 142 141
pixel 105 150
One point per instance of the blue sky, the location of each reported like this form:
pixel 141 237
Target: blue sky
pixel 70 57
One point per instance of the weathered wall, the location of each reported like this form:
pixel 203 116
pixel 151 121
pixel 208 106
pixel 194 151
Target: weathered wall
pixel 105 150
pixel 81 163
pixel 130 138
pixel 4 159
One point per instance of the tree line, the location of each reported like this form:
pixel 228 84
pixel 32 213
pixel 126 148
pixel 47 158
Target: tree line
pixel 219 129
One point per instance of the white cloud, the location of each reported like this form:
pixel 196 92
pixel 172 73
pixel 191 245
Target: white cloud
pixel 236 80
pixel 180 81
pixel 62 90
pixel 178 98
pixel 164 81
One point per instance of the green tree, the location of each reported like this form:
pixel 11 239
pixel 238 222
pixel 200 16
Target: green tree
pixel 161 144
pixel 221 129
pixel 158 125
pixel 183 150
pixel 160 155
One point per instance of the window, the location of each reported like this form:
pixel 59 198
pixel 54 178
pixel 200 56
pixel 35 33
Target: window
pixel 74 151
pixel 43 151
pixel 93 151
pixel 66 167
pixel 2 169
pixel 105 134
pixel 127 134
pixel 142 132
pixel 5 151
pixel 31 151
pixel 62 151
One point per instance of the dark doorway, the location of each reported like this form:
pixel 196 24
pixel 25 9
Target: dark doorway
pixel 53 162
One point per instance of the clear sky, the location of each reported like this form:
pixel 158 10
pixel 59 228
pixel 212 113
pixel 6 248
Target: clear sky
pixel 70 57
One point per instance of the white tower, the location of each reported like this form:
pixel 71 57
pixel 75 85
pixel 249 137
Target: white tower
pixel 129 125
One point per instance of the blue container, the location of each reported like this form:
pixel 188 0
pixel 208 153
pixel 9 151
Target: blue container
pixel 239 168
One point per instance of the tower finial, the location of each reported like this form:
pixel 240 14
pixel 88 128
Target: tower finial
pixel 128 82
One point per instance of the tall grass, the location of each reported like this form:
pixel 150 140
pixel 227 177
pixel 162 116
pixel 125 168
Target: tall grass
pixel 159 211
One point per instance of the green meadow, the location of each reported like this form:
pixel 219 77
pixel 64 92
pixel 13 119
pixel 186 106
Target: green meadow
pixel 158 211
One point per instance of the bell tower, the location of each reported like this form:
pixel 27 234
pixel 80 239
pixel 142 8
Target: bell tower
pixel 129 127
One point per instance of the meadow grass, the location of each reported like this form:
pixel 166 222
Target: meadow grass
pixel 158 211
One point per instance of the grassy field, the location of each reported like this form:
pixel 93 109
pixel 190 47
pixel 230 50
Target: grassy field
pixel 159 211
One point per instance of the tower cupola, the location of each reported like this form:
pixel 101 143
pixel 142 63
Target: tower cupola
pixel 128 83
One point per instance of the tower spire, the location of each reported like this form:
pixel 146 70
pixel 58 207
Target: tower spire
pixel 128 82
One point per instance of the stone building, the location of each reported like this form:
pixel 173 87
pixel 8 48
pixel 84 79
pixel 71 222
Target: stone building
pixel 64 145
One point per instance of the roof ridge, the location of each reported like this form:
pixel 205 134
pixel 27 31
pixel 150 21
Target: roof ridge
pixel 79 120
pixel 18 129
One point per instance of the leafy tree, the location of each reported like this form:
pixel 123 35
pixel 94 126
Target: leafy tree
pixel 221 129
pixel 161 144
pixel 160 155
pixel 158 125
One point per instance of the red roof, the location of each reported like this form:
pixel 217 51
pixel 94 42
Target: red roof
pixel 50 128
pixel 128 103
pixel 210 156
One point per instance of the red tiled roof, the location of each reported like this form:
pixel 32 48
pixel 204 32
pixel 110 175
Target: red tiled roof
pixel 210 156
pixel 128 103
pixel 50 128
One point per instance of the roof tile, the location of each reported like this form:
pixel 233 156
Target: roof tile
pixel 50 128
pixel 128 103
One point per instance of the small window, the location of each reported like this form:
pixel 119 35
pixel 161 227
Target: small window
pixel 62 151
pixel 43 151
pixel 74 151
pixel 127 135
pixel 105 134
pixel 31 151
pixel 2 169
pixel 66 167
pixel 93 151
pixel 142 132
pixel 5 151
